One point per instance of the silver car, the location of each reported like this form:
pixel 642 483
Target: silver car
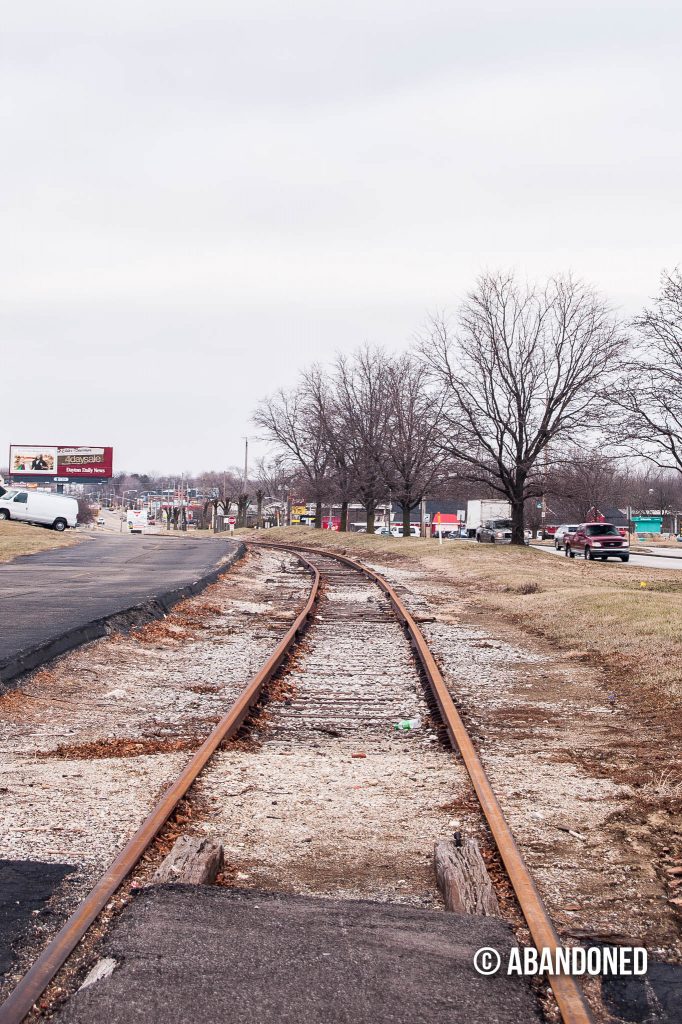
pixel 561 532
pixel 495 531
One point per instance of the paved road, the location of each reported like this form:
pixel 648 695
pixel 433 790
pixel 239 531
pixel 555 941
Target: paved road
pixel 202 953
pixel 54 594
pixel 643 561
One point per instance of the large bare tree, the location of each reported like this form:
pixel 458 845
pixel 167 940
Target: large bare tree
pixel 330 416
pixel 414 452
pixel 289 420
pixel 360 418
pixel 651 394
pixel 524 369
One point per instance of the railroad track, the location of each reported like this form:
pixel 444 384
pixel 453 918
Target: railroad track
pixel 350 607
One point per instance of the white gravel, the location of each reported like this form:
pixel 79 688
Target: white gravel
pixel 302 814
pixel 538 717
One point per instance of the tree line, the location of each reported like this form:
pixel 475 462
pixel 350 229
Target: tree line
pixel 524 392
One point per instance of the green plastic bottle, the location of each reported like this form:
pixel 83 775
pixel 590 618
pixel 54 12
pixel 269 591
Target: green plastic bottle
pixel 407 724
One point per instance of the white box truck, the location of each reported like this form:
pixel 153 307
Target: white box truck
pixel 137 520
pixel 55 510
pixel 478 512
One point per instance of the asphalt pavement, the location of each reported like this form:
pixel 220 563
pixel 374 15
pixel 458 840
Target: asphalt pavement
pixel 55 600
pixel 25 889
pixel 185 954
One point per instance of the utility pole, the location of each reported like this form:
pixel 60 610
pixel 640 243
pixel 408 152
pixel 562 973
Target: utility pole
pixel 246 461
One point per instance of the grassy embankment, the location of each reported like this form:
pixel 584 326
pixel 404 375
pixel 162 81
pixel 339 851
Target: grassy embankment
pixel 20 539
pixel 601 608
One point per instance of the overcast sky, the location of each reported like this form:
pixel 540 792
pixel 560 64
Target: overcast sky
pixel 200 198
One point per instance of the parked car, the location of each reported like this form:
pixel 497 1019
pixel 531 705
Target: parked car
pixel 101 521
pixel 495 531
pixel 561 532
pixel 55 510
pixel 597 540
pixel 393 531
pixel 397 531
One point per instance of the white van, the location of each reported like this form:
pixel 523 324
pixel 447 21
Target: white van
pixel 55 510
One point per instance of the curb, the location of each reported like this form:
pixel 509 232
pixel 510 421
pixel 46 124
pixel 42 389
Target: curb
pixel 118 622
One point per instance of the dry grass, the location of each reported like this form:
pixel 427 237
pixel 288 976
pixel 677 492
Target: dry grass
pixel 20 539
pixel 627 616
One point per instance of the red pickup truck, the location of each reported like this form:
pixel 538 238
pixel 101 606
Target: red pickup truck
pixel 597 540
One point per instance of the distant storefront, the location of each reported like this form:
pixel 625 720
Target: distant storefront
pixel 647 523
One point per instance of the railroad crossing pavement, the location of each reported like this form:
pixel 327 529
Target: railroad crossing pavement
pixel 653 561
pixel 25 888
pixel 55 600
pixel 206 953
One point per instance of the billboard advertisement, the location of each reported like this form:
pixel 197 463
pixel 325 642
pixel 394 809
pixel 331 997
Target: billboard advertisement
pixel 32 460
pixel 75 462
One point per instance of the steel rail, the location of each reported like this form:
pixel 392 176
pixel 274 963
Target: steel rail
pixel 570 1000
pixel 38 977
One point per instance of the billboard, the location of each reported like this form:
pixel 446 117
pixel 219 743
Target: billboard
pixel 75 462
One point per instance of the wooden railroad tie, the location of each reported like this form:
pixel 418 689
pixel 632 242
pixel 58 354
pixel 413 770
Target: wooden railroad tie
pixel 463 878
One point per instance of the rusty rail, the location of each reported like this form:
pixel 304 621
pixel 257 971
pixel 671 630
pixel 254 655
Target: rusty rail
pixel 572 1005
pixel 38 977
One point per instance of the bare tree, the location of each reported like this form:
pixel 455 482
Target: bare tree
pixel 243 503
pixel 414 454
pixel 222 488
pixel 526 369
pixel 290 421
pixel 651 395
pixel 85 513
pixel 329 415
pixel 587 480
pixel 259 495
pixel 360 416
pixel 660 490
pixel 273 480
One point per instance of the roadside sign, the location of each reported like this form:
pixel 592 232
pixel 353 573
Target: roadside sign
pixel 63 460
pixel 231 520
